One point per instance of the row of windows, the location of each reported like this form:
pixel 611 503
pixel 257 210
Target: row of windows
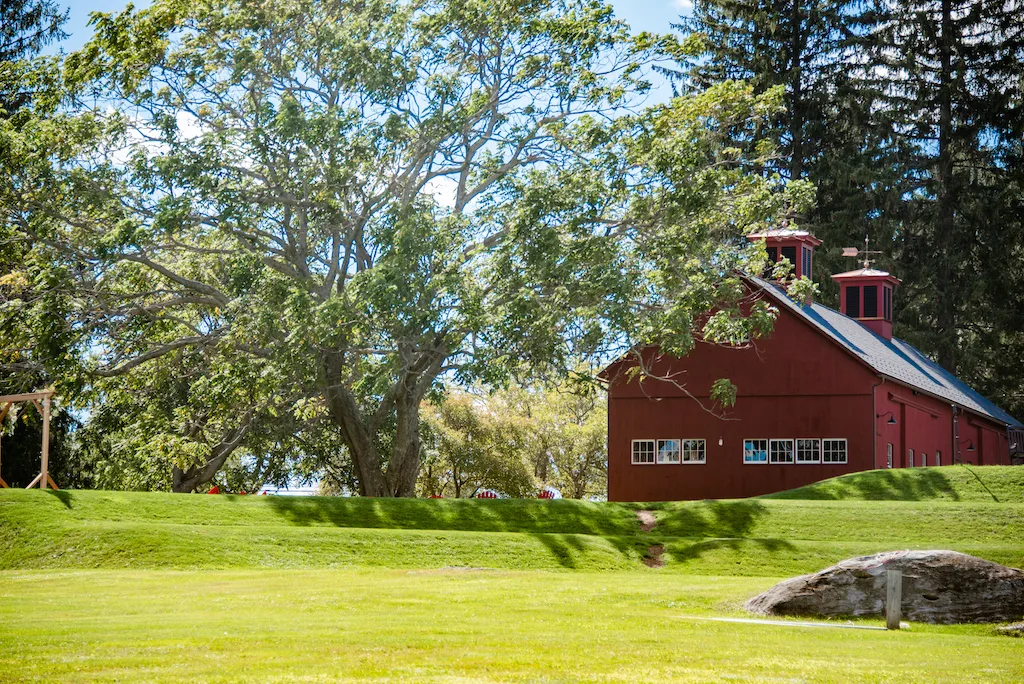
pixel 790 254
pixel 910 458
pixel 647 451
pixel 667 451
pixel 794 451
pixel 853 302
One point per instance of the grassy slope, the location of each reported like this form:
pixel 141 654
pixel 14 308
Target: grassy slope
pixel 400 620
pixel 772 536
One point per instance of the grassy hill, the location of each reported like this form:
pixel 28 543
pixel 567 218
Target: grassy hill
pixel 784 534
pixel 122 586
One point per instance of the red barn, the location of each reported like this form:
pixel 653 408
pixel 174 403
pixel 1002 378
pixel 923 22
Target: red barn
pixel 829 392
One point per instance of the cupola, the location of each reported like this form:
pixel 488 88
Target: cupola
pixel 795 245
pixel 866 295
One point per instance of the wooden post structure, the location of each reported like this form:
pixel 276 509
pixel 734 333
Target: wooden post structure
pixel 42 401
pixel 893 598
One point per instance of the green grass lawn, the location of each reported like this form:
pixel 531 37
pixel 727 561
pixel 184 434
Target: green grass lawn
pixel 118 586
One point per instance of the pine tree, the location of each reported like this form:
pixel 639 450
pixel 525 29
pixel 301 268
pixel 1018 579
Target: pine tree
pixel 26 27
pixel 947 75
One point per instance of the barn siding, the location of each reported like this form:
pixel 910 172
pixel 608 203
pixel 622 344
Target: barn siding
pixel 794 384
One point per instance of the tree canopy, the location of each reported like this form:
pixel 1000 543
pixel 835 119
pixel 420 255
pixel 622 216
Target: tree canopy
pixel 277 226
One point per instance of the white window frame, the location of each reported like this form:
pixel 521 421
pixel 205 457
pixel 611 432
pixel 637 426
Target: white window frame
pixel 755 439
pixel 702 450
pixel 796 454
pixel 889 455
pixel 910 458
pixel 938 457
pixel 678 451
pixel 846 450
pixel 654 452
pixel 792 451
pixel 924 460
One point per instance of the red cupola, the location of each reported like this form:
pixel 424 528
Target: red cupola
pixel 795 245
pixel 866 295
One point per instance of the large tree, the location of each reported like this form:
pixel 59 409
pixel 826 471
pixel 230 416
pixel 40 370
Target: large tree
pixel 324 208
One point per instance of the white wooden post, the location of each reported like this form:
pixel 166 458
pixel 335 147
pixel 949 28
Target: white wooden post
pixel 893 598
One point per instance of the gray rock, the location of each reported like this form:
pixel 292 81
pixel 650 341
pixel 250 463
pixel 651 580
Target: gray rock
pixel 942 587
pixel 1014 630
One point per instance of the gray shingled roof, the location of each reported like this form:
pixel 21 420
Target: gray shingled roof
pixel 894 358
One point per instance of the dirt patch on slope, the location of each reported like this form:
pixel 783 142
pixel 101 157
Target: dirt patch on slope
pixel 654 559
pixel 647 520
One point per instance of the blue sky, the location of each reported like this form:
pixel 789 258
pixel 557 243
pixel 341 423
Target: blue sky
pixel 642 15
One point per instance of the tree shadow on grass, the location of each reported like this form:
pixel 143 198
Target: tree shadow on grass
pixel 561 526
pixel 472 515
pixel 708 526
pixel 65 497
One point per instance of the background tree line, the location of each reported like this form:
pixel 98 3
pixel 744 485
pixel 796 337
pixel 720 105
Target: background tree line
pixel 243 246
pixel 908 118
pixel 252 243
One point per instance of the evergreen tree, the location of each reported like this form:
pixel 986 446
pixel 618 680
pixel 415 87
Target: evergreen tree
pixel 947 75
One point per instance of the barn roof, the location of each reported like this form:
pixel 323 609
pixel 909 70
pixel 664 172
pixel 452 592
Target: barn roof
pixel 893 359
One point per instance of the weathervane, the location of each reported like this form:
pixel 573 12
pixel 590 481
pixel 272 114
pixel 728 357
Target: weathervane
pixel 866 252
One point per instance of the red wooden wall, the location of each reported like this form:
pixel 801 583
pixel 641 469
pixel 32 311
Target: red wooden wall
pixel 795 384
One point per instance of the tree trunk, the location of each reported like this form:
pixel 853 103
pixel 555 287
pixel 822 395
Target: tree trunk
pixel 360 434
pixel 186 481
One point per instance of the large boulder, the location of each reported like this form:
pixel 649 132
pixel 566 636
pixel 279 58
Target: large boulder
pixel 941 587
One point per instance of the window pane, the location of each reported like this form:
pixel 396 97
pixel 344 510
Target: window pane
pixel 790 254
pixel 755 451
pixel 643 451
pixel 833 451
pixel 668 451
pixel 938 458
pixel 853 302
pixel 773 256
pixel 694 451
pixel 781 451
pixel 808 451
pixel 870 301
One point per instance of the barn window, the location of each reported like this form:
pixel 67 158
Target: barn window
pixel 694 451
pixel 668 451
pixel 833 451
pixel 924 459
pixel 643 451
pixel 870 301
pixel 773 256
pixel 910 458
pixel 781 451
pixel 755 451
pixel 889 462
pixel 853 302
pixel 938 458
pixel 808 451
pixel 789 254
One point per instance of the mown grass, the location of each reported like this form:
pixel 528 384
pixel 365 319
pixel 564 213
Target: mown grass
pixel 447 627
pixel 120 586
pixel 756 537
pixel 1000 484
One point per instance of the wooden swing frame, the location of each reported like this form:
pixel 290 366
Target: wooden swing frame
pixel 42 401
